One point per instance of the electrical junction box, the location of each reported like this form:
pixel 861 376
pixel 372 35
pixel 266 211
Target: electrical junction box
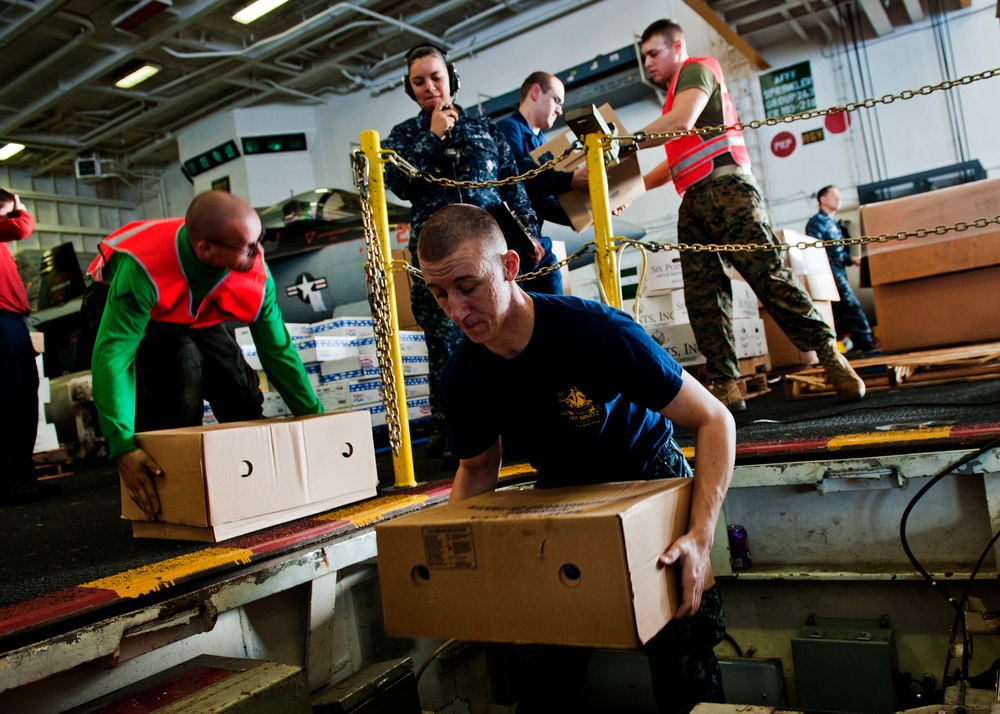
pixel 846 666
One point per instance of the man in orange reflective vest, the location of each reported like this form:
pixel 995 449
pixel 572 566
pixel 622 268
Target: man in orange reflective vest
pixel 161 293
pixel 722 204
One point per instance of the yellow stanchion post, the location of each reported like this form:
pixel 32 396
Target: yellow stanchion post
pixel 402 458
pixel 598 179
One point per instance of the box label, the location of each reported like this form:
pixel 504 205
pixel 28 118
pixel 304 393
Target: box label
pixel 449 547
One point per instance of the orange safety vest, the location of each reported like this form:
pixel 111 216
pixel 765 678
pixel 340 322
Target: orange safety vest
pixel 692 157
pixel 153 244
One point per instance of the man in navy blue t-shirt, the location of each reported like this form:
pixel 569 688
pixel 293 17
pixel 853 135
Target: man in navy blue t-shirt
pixel 592 399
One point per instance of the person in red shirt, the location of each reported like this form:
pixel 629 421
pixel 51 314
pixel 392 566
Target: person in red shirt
pixel 19 417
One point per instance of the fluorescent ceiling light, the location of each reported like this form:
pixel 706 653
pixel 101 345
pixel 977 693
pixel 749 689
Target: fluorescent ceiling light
pixel 255 10
pixel 139 75
pixel 9 150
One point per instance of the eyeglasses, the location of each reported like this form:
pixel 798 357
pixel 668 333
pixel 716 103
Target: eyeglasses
pixel 557 100
pixel 247 252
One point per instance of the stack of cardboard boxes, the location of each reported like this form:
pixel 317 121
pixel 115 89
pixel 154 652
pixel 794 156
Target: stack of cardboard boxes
pixel 340 358
pixel 661 311
pixel 936 290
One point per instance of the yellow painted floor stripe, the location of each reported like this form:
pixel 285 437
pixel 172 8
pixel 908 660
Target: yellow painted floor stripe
pixel 156 576
pixel 512 470
pixel 892 437
pixel 369 513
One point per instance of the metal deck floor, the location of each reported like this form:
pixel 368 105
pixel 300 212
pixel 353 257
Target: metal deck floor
pixel 77 537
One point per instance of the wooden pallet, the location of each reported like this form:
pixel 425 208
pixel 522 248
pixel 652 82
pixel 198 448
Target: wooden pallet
pixel 753 381
pixel 52 464
pixel 911 369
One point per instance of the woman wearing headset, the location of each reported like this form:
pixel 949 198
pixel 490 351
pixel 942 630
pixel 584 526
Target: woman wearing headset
pixel 445 141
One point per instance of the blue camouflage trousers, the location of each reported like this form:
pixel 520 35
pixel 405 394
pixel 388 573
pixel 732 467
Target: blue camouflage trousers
pixel 442 336
pixel 730 211
pixel 848 315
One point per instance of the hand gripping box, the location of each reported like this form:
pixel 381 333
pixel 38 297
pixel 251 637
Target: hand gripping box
pixel 225 480
pixel 574 566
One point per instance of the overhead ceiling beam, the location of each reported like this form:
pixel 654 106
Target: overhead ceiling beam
pixel 877 16
pixel 718 24
pixel 913 10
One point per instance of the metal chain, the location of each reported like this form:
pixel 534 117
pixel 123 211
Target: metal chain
pixel 653 247
pixel 410 170
pixel 815 113
pixel 637 138
pixel 803 244
pixel 378 296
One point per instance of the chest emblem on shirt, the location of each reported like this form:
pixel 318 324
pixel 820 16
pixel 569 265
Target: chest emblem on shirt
pixel 578 409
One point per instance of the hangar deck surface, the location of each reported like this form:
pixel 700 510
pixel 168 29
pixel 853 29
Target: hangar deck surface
pixel 71 559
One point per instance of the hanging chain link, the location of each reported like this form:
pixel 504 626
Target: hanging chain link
pixel 378 297
pixel 815 113
pixel 803 244
pixel 410 170
pixel 634 139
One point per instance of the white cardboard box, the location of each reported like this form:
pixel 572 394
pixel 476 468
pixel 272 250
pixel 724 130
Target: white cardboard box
pixel 663 273
pixel 226 480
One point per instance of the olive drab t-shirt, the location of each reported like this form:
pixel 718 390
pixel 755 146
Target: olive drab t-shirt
pixel 696 75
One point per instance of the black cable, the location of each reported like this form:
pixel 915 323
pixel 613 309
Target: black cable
pixel 965 596
pixel 957 605
pixel 913 502
pixel 728 638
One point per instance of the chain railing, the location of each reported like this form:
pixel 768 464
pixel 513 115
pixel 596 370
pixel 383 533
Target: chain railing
pixel 382 299
pixel 380 267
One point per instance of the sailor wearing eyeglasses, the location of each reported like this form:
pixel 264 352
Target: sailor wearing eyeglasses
pixel 162 290
pixel 542 97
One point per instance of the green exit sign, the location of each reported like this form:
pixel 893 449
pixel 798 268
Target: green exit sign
pixel 274 143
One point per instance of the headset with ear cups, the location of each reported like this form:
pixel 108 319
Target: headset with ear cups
pixel 454 81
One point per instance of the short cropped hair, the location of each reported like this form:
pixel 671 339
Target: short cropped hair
pixel 823 191
pixel 668 29
pixel 6 196
pixel 542 79
pixel 450 227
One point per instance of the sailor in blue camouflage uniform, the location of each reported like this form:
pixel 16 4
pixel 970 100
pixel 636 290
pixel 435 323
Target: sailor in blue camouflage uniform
pixel 848 315
pixel 445 141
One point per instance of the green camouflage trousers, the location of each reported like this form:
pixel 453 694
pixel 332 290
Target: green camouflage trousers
pixel 730 211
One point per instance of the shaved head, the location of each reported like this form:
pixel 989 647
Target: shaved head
pixel 211 212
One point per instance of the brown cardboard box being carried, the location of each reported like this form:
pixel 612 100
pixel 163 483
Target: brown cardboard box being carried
pixel 934 291
pixel 574 566
pixel 225 480
pixel 624 179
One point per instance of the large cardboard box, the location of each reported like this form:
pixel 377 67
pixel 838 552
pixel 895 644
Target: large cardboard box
pixel 948 309
pixel 574 566
pixel 625 182
pixel 933 291
pixel 224 480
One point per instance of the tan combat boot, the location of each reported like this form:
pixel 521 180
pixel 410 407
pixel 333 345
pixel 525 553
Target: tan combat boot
pixel 728 392
pixel 839 373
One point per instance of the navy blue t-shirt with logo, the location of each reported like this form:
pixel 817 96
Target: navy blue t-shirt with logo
pixel 582 399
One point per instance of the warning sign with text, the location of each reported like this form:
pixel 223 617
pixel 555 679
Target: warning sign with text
pixel 788 90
